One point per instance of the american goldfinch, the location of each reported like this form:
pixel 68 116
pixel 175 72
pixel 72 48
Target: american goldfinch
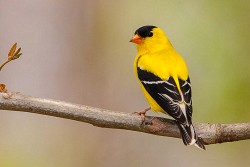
pixel 163 76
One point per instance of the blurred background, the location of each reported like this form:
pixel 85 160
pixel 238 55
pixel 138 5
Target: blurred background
pixel 78 51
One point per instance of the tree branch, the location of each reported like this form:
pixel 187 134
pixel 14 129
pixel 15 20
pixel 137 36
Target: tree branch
pixel 210 133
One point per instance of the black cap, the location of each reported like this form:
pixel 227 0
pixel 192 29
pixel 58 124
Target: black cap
pixel 145 31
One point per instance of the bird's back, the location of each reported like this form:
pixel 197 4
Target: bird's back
pixel 163 63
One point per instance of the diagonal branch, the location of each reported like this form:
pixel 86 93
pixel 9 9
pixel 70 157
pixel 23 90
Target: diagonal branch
pixel 210 133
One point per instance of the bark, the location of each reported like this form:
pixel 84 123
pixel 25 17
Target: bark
pixel 210 133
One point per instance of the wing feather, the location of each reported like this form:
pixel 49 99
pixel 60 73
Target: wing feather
pixel 177 103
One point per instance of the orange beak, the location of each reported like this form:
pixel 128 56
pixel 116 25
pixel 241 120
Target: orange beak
pixel 136 39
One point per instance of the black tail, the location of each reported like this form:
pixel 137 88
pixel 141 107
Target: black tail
pixel 189 136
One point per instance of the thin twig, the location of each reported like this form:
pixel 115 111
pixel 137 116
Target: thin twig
pixel 7 61
pixel 210 133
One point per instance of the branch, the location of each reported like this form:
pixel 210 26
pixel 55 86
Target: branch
pixel 210 133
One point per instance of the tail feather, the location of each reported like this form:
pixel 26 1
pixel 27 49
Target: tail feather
pixel 189 136
pixel 199 144
pixel 186 137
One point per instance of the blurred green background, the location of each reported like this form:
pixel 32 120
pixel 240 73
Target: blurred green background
pixel 78 51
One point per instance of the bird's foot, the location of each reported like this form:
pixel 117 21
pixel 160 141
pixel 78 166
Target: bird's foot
pixel 143 116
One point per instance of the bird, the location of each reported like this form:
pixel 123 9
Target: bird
pixel 163 76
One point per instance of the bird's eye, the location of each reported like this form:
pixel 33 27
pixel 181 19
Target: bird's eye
pixel 150 34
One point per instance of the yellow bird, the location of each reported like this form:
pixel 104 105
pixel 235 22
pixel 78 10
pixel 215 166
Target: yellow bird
pixel 164 78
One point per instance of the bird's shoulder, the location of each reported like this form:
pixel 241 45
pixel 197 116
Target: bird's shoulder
pixel 163 64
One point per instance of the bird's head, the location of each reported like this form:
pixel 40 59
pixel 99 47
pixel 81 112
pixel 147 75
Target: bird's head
pixel 150 38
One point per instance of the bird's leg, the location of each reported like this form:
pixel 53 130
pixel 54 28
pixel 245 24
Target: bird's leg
pixel 142 114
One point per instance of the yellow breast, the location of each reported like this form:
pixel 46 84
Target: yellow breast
pixel 162 64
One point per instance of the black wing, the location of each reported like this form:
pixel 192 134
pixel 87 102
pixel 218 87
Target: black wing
pixel 165 92
pixel 187 95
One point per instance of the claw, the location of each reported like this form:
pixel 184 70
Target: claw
pixel 143 114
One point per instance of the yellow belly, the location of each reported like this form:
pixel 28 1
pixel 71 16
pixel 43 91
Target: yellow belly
pixel 153 104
